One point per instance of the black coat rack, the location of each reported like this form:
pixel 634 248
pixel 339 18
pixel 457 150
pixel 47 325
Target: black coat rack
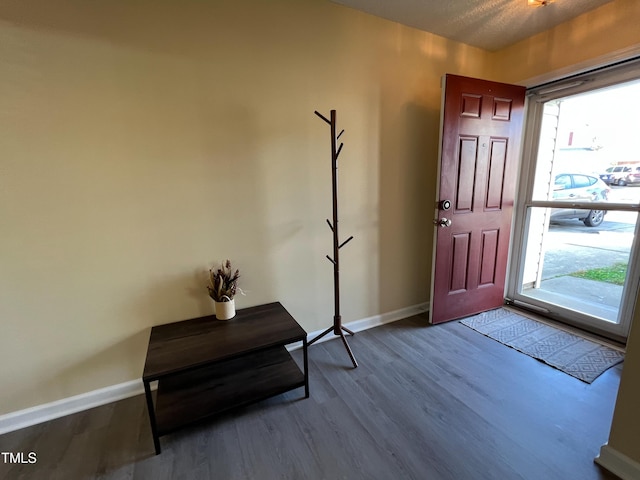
pixel 337 328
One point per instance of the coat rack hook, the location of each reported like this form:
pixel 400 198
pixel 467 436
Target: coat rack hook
pixel 345 242
pixel 329 223
pixel 322 117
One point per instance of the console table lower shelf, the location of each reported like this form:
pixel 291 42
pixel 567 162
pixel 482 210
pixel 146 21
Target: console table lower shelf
pixel 197 395
pixel 204 367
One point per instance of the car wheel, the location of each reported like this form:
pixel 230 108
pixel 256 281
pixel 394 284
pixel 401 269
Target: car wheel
pixel 622 182
pixel 594 218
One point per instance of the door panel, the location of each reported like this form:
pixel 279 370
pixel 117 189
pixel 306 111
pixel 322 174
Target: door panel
pixel 459 262
pixel 480 144
pixel 466 174
pixel 496 173
pixel 489 257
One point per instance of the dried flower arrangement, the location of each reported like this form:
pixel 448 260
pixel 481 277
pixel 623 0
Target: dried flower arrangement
pixel 223 282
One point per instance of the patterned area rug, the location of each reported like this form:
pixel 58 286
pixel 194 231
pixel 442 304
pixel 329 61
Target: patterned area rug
pixel 572 354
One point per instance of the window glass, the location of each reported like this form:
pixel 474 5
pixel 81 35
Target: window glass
pixel 563 182
pixel 581 181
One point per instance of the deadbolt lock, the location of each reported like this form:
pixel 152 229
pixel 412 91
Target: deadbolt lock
pixel 445 204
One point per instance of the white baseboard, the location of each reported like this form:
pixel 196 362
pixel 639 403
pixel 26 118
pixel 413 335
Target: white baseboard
pixel 66 406
pixel 367 323
pixel 618 463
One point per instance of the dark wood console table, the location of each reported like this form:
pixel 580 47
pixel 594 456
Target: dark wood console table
pixel 205 366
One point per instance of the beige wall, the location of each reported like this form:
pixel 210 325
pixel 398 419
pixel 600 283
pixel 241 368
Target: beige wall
pixel 141 143
pixel 625 428
pixel 579 42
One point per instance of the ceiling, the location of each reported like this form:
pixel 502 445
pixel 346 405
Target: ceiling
pixel 488 24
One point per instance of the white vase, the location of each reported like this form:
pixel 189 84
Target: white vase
pixel 225 310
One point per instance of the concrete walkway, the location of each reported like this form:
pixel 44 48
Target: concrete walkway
pixel 572 247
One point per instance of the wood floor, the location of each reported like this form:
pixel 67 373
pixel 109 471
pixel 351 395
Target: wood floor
pixel 436 402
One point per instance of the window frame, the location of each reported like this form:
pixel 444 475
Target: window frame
pixel 536 99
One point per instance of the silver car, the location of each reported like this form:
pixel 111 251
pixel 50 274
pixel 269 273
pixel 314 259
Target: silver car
pixel 616 175
pixel 579 188
pixel 632 178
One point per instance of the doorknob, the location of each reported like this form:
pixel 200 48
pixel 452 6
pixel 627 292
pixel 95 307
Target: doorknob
pixel 443 222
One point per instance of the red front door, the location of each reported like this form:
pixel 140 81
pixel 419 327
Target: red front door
pixel 482 123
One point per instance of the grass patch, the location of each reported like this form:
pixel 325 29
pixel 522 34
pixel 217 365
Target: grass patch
pixel 615 274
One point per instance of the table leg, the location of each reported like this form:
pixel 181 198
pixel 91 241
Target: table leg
pixel 152 417
pixel 306 368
